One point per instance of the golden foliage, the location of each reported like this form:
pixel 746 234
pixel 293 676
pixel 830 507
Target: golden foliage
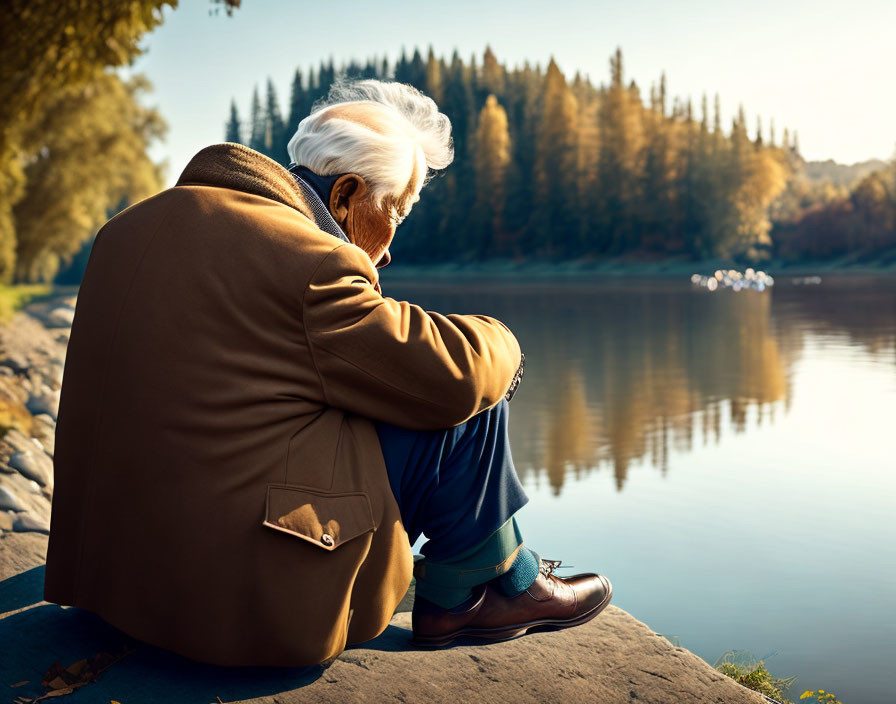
pixel 85 152
pixel 47 49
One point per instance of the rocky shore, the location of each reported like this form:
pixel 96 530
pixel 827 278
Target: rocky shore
pixel 614 658
pixel 32 355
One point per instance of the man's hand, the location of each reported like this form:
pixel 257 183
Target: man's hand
pixel 516 378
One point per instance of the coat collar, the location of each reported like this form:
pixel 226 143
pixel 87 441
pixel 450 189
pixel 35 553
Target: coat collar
pixel 232 165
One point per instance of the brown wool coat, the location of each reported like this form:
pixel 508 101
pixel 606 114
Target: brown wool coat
pixel 220 487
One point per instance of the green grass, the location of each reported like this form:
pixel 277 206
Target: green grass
pixel 744 669
pixel 13 297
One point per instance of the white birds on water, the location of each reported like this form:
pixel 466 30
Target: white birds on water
pixel 733 279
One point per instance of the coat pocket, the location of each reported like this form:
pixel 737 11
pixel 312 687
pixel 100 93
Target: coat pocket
pixel 324 518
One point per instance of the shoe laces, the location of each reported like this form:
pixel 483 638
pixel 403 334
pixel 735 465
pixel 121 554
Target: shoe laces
pixel 547 567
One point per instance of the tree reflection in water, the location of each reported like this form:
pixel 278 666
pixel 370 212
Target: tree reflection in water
pixel 620 372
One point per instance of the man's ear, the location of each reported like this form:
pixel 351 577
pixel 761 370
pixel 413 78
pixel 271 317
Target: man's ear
pixel 347 190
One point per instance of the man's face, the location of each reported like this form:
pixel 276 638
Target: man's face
pixel 370 227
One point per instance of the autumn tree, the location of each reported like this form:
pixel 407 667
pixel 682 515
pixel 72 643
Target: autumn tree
pixel 87 150
pixel 619 163
pixel 47 47
pixel 549 167
pixel 556 162
pixel 492 158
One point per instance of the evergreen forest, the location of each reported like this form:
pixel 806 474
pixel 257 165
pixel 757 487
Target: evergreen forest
pixel 551 168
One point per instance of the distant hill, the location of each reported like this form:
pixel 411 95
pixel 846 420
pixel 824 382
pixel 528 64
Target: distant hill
pixel 842 174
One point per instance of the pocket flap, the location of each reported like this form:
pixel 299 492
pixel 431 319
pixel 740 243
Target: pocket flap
pixel 324 518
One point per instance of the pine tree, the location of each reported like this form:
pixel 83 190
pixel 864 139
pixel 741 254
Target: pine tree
pixel 298 105
pixel 545 167
pixel 619 165
pixel 492 75
pixel 558 230
pixel 274 144
pixel 232 130
pixel 434 87
pixel 256 123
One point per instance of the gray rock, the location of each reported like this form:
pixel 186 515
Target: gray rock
pixel 8 501
pixel 33 464
pixel 33 499
pixel 613 659
pixel 60 317
pixel 25 523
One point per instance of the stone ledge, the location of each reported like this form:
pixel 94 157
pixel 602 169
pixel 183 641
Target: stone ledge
pixel 613 658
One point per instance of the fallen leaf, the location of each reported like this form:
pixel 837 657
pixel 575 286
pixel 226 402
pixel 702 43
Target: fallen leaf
pixel 77 668
pixel 57 683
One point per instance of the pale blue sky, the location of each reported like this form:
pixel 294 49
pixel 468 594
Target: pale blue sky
pixel 822 67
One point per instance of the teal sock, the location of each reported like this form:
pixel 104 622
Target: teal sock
pixel 450 582
pixel 521 575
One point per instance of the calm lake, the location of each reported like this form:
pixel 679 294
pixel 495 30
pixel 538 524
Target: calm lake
pixel 727 459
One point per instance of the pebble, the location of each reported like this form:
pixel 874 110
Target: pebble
pixel 45 401
pixel 8 501
pixel 17 440
pixel 34 465
pixel 61 317
pixel 25 523
pixel 44 430
pixel 16 362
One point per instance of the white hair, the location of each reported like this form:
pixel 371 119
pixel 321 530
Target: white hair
pixel 411 136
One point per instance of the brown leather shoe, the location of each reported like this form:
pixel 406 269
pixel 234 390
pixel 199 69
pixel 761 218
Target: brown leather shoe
pixel 550 602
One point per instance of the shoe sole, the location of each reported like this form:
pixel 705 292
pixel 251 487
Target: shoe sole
pixel 503 634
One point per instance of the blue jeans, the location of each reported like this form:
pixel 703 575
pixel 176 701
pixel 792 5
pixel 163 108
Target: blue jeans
pixel 456 485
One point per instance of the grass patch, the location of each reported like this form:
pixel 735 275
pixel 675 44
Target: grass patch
pixel 744 669
pixel 13 297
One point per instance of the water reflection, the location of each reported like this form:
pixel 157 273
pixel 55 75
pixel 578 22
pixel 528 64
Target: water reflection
pixel 619 373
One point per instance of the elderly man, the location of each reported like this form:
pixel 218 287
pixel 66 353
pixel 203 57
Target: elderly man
pixel 251 436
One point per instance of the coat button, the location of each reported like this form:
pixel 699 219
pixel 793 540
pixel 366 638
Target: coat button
pixel 326 539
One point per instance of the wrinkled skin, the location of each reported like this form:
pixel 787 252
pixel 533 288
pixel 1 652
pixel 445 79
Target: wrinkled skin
pixel 369 227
